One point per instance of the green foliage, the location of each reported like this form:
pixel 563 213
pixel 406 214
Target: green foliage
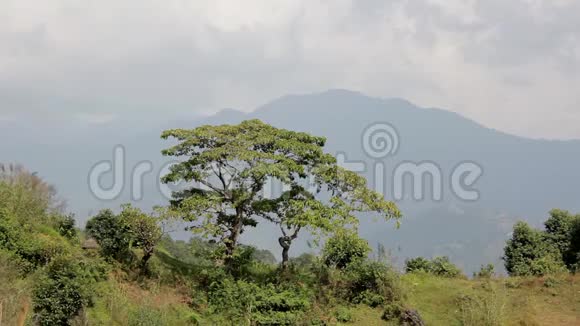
pixel 242 302
pixel 528 253
pixel 343 315
pixel 34 247
pixel 487 271
pixel 14 288
pixel 112 234
pixel 145 316
pixel 551 281
pixel 66 227
pixel 417 264
pixel 371 283
pixel 344 248
pixel 233 163
pixel 572 257
pixel 362 281
pixel 118 234
pixel 66 287
pixel 440 266
pixel 26 197
pixel 28 218
pixel 144 231
pixel 392 312
pixel 558 227
pixel 264 256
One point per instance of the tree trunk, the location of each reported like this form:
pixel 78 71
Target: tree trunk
pixel 147 254
pixel 232 242
pixel 285 242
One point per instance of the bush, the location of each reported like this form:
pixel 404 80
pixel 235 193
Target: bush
pixel 392 312
pixel 417 264
pixel 66 227
pixel 486 271
pixel 34 247
pixel 66 287
pixel 530 252
pixel 243 302
pixel 344 248
pixel 439 266
pixel 396 313
pixel 343 315
pixel 112 235
pixel 368 282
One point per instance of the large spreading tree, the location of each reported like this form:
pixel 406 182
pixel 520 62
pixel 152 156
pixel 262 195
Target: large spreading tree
pixel 227 168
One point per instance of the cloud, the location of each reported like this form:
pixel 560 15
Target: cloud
pixel 96 118
pixel 508 64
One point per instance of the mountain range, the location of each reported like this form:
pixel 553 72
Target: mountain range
pixel 522 178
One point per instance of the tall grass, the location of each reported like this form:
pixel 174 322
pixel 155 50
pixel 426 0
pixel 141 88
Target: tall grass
pixel 485 308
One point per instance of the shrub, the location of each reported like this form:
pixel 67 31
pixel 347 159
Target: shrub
pixel 392 312
pixel 417 264
pixel 371 283
pixel 66 227
pixel 343 315
pixel 439 266
pixel 112 235
pixel 486 271
pixel 240 301
pixel 529 252
pixel 396 313
pixel 344 248
pixel 36 248
pixel 550 282
pixel 65 288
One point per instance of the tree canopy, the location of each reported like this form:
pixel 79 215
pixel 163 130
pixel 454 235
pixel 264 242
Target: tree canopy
pixel 227 168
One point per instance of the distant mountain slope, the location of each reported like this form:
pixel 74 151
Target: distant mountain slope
pixel 522 178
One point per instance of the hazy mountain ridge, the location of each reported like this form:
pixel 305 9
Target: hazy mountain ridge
pixel 523 178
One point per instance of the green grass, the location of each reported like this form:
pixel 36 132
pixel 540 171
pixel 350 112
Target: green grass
pixel 495 302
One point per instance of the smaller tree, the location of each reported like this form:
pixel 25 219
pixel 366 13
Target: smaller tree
pixel 145 232
pixel 558 228
pixel 132 228
pixel 529 253
pixel 572 256
pixel 112 234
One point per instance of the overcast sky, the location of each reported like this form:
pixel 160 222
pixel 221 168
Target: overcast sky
pixel 511 65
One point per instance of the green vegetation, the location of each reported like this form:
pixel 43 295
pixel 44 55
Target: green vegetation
pixel 242 159
pixel 440 266
pixel 543 252
pixel 124 270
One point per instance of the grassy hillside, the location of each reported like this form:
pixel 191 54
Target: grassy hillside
pixel 124 300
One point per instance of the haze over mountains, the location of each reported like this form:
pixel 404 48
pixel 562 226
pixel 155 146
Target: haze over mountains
pixel 522 178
